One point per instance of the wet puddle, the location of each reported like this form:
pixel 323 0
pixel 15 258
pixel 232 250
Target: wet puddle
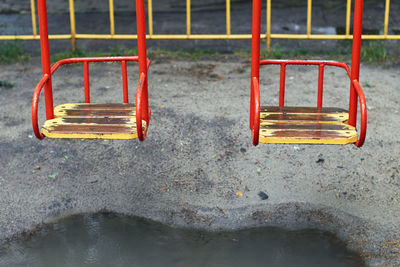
pixel 114 240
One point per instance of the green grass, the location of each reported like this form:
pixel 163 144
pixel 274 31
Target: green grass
pixel 112 52
pixel 158 53
pixel 376 52
pixel 372 52
pixel 6 84
pixel 11 52
pixel 276 52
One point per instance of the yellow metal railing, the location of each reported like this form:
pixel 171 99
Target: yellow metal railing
pixel 73 36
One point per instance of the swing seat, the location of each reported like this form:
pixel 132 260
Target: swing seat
pixel 93 121
pixel 305 125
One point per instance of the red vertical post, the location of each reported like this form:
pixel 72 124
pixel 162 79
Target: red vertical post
pixel 86 81
pixel 282 85
pixel 320 85
pixel 355 61
pixel 124 82
pixel 44 48
pixel 141 35
pixel 255 53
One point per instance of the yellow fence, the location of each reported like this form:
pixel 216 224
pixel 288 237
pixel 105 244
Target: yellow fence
pixel 73 35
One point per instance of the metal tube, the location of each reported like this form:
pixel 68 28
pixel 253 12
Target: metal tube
pixel 363 111
pixel 124 82
pixel 348 17
pixel 268 25
pixel 255 53
pixel 72 23
pixel 282 85
pixel 386 23
pixel 111 8
pixel 86 81
pixel 320 84
pixel 35 102
pixel 355 61
pixel 309 14
pixel 188 18
pixel 255 130
pixel 44 47
pixel 203 36
pixel 150 15
pixel 228 17
pixel 33 15
pixel 141 33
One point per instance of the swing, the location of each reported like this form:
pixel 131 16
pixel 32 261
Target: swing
pixel 307 125
pixel 93 120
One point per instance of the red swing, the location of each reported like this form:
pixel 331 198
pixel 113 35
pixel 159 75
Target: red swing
pixel 93 120
pixel 307 125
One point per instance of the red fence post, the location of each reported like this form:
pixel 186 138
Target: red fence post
pixel 44 47
pixel 255 53
pixel 355 61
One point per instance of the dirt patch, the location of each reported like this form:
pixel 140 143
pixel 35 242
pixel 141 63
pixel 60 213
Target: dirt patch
pixel 198 156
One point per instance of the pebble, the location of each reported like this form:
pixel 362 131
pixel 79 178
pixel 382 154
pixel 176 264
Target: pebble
pixel 263 195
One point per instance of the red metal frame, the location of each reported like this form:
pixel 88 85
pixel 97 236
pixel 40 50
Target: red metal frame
pixel 356 91
pixel 143 112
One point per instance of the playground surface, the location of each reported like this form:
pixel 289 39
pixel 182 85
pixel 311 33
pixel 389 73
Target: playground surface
pixel 197 167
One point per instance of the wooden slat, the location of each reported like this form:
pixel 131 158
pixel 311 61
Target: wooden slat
pixel 306 134
pixel 308 137
pixel 302 110
pixel 104 121
pixel 92 121
pixel 96 113
pixel 79 128
pixel 90 106
pixel 95 110
pixel 338 117
pixel 307 125
pixel 91 129
pixel 303 114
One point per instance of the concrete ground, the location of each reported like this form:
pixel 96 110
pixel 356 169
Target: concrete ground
pixel 198 155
